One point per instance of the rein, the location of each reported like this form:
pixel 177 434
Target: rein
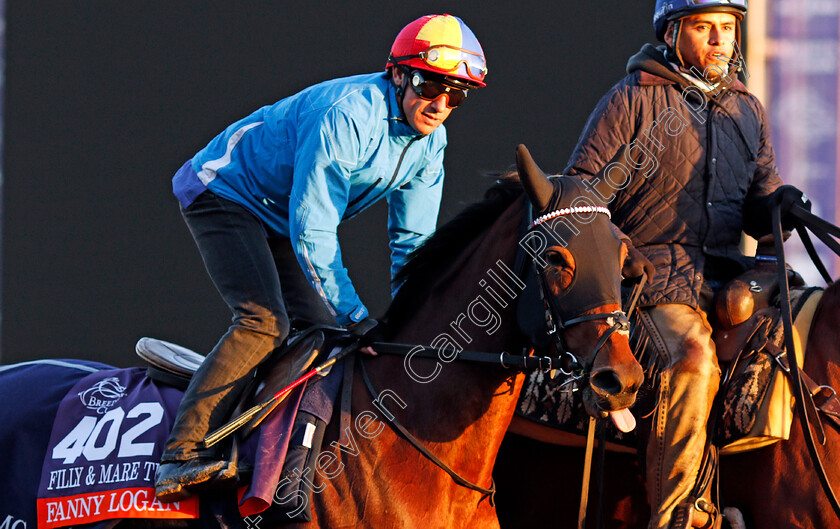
pixel 457 478
pixel 602 444
pixel 508 361
pixel 823 230
pixel 503 359
pixel 801 384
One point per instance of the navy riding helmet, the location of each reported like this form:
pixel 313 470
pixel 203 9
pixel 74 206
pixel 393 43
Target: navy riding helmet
pixel 667 10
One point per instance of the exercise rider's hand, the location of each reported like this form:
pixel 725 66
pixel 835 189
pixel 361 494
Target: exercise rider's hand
pixel 635 265
pixel 787 196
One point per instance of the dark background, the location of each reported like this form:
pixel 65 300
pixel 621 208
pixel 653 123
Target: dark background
pixel 106 99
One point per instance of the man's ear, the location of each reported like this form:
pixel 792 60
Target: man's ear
pixel 669 34
pixel 397 75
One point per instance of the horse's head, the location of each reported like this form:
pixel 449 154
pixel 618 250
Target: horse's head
pixel 577 258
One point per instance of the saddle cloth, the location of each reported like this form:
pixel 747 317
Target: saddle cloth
pixel 107 440
pixel 30 393
pixel 104 449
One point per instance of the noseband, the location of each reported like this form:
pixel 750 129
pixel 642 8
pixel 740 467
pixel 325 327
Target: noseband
pixel 617 320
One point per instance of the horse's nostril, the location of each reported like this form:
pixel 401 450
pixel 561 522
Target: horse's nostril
pixel 606 381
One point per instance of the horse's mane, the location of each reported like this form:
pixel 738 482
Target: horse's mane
pixel 429 261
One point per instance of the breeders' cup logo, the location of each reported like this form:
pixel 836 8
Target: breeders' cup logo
pixel 103 395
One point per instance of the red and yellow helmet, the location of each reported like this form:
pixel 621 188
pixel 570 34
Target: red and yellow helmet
pixel 441 44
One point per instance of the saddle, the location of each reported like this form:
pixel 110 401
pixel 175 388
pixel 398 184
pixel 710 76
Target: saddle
pixel 168 362
pixel 756 398
pixel 743 305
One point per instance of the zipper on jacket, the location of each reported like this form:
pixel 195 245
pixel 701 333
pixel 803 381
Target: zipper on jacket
pixel 364 193
pixel 393 177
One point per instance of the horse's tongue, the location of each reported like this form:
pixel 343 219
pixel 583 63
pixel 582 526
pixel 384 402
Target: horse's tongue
pixel 623 420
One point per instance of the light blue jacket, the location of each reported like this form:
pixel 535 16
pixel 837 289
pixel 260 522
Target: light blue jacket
pixel 314 159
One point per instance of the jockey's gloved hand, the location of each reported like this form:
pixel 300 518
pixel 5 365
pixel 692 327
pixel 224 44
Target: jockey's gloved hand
pixel 787 196
pixel 635 265
pixel 361 328
pixel 367 332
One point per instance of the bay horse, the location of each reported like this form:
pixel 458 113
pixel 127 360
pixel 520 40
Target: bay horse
pixel 774 487
pixel 463 291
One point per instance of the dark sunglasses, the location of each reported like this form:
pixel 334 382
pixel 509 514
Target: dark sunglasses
pixel 431 90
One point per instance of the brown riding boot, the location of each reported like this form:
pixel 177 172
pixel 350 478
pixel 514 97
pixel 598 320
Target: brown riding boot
pixel 687 386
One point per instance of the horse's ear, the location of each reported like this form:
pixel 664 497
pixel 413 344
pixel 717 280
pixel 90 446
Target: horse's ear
pixel 536 184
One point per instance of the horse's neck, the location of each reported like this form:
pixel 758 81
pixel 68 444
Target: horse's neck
pixel 467 309
pixel 478 290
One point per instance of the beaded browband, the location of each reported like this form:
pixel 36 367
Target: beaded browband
pixel 568 211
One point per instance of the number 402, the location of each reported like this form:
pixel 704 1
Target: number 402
pixel 83 438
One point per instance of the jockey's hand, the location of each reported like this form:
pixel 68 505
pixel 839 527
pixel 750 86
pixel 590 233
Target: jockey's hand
pixel 368 350
pixel 361 328
pixel 364 330
pixel 635 265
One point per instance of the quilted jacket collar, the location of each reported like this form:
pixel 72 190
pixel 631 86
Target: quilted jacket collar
pixel 655 70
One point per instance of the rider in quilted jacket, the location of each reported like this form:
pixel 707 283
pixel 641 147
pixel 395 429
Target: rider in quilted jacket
pixel 263 201
pixel 701 170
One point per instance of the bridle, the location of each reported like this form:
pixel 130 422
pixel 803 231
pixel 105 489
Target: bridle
pixel 618 321
pixel 572 365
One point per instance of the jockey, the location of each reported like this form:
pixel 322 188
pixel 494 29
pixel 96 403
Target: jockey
pixel 264 198
pixel 705 172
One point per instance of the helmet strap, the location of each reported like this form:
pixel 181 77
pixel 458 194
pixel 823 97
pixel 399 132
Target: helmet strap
pixel 737 56
pixel 399 89
pixel 676 45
